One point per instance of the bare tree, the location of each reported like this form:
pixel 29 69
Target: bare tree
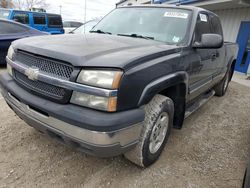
pixel 6 4
pixel 29 4
pixel 20 4
pixel 36 4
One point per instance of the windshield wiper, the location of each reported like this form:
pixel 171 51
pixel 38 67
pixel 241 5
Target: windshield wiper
pixel 100 31
pixel 136 36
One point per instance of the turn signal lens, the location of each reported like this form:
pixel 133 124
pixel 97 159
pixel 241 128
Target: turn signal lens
pixel 95 102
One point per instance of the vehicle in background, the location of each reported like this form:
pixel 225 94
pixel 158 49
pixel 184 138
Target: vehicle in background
pixel 85 28
pixel 51 23
pixel 10 31
pixel 246 181
pixel 69 26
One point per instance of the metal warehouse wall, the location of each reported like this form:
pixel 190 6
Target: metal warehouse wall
pixel 231 19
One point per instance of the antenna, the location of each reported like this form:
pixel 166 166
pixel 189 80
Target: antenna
pixel 85 15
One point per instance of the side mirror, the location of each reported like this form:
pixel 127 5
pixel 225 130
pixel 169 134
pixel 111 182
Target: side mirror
pixel 209 41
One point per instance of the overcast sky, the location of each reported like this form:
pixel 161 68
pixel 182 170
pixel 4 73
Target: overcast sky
pixel 74 9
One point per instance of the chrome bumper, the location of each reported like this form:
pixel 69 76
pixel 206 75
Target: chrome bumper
pixel 124 137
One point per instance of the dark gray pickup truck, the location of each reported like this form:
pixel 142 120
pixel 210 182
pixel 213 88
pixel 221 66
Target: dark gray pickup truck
pixel 120 89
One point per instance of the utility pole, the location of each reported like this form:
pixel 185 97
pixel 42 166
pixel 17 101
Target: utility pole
pixel 85 14
pixel 85 11
pixel 60 9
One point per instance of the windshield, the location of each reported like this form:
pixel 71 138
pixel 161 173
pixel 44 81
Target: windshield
pixel 167 25
pixel 4 13
pixel 85 28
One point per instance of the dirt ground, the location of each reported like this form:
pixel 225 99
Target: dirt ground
pixel 211 150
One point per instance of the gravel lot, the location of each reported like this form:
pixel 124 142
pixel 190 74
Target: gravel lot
pixel 211 150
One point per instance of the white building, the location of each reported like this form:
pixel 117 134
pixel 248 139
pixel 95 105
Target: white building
pixel 235 18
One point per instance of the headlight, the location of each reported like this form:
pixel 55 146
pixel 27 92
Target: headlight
pixel 100 78
pixel 108 79
pixel 96 102
pixel 11 53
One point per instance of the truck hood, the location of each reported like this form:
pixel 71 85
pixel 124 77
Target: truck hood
pixel 96 50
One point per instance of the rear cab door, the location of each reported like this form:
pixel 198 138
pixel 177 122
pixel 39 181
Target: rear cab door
pixel 220 53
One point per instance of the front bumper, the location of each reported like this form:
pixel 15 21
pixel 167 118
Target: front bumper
pixel 55 120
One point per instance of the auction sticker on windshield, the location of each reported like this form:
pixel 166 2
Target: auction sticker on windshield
pixel 176 15
pixel 203 17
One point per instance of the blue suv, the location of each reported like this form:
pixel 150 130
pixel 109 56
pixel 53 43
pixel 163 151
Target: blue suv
pixel 51 23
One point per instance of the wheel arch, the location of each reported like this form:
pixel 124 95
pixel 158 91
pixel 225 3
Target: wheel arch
pixel 178 95
pixel 174 86
pixel 232 66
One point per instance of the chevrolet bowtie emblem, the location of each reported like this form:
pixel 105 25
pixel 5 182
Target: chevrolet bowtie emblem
pixel 32 73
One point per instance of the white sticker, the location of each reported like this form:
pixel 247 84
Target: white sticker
pixel 5 14
pixel 176 39
pixel 176 15
pixel 203 17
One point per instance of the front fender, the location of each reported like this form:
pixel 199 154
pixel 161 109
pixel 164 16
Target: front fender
pixel 161 84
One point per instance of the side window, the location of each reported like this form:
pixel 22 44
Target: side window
pixel 10 28
pixel 202 26
pixel 21 18
pixel 55 21
pixel 39 19
pixel 216 25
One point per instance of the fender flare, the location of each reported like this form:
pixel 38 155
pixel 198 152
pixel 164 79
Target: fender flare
pixel 161 84
pixel 230 62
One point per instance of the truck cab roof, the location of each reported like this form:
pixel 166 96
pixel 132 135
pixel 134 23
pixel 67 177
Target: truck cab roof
pixel 191 8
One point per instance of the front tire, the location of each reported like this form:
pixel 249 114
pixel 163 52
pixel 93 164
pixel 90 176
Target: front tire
pixel 155 132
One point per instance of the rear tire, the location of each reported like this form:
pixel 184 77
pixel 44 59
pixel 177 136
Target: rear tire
pixel 155 132
pixel 222 87
pixel 246 180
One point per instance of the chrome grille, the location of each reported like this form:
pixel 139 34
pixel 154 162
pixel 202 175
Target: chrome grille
pixel 49 66
pixel 40 87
